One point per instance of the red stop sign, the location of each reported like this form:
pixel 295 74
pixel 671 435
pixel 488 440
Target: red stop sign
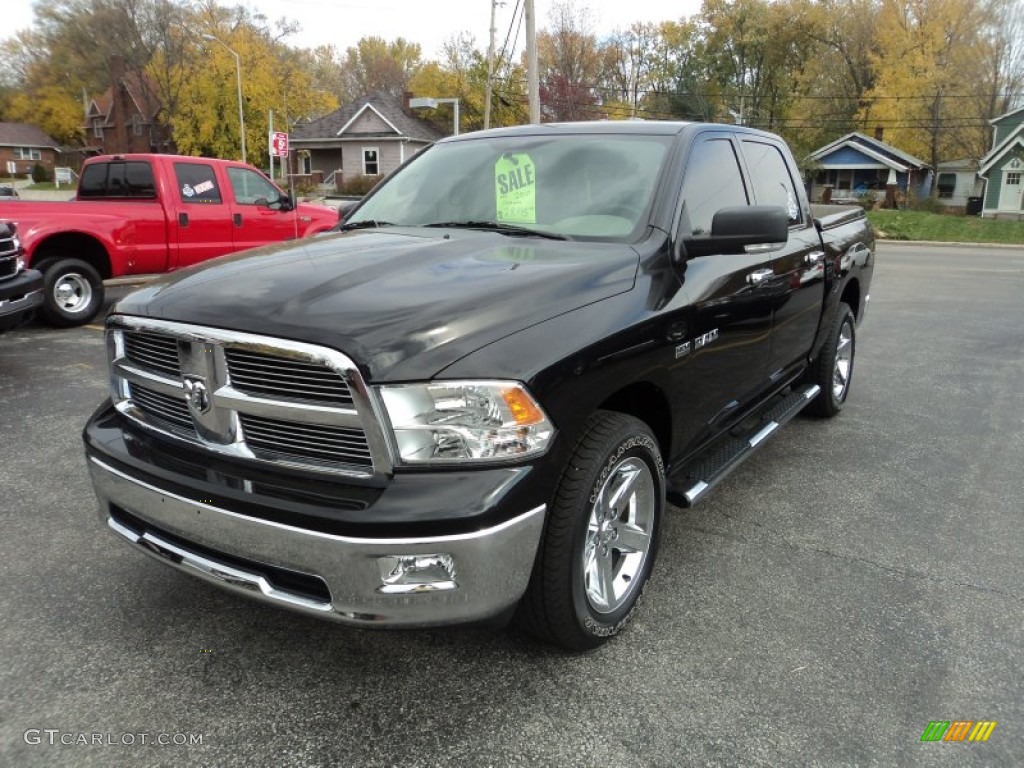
pixel 279 144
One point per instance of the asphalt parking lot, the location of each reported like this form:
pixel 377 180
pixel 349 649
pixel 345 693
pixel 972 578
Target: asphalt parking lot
pixel 854 581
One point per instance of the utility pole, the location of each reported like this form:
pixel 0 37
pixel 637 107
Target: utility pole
pixel 490 67
pixel 532 81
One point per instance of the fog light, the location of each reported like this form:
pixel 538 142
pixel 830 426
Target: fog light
pixel 409 574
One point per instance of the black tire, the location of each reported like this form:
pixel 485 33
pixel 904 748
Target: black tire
pixel 572 598
pixel 833 369
pixel 72 292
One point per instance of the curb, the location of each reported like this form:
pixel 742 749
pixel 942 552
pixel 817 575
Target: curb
pixel 944 244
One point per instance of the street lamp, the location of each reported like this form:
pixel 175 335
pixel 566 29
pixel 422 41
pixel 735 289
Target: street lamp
pixel 238 80
pixel 426 102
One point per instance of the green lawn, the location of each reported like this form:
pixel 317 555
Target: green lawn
pixel 936 227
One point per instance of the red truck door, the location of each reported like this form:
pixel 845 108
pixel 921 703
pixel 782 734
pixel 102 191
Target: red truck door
pixel 200 214
pixel 256 213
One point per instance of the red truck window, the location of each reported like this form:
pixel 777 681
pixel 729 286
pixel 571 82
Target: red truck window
pixel 249 186
pixel 197 183
pixel 132 180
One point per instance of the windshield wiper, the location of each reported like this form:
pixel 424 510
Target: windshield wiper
pixel 499 226
pixel 364 224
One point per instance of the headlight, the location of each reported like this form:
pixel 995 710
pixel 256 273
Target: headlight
pixel 460 421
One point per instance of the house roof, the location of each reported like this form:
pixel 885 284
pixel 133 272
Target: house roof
pixel 25 135
pixel 1011 113
pixel 141 91
pixel 884 153
pixel 339 124
pixel 1016 138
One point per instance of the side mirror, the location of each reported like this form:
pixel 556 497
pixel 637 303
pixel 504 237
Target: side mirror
pixel 261 202
pixel 346 208
pixel 742 229
pixel 286 204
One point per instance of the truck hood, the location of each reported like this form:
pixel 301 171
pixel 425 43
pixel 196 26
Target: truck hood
pixel 402 303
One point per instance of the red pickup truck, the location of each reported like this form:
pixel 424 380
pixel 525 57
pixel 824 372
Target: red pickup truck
pixel 145 214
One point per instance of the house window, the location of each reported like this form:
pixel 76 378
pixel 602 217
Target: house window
pixel 947 184
pixel 97 129
pixel 306 163
pixel 27 153
pixel 1013 178
pixel 371 167
pixel 137 125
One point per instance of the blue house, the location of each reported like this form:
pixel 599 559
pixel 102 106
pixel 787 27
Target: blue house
pixel 856 164
pixel 1003 168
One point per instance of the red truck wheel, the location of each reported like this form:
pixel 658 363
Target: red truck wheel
pixel 72 290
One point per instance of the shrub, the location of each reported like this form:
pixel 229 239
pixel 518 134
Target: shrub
pixel 358 185
pixel 39 174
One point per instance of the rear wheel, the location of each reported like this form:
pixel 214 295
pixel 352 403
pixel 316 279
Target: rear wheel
pixel 72 290
pixel 833 369
pixel 601 536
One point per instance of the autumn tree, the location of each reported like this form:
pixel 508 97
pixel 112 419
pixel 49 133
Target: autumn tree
pixel 929 66
pixel 274 77
pixel 374 64
pixel 569 65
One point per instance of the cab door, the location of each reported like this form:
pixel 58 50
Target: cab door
pixel 722 355
pixel 257 214
pixel 201 218
pixel 798 269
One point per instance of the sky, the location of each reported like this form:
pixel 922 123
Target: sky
pixel 429 23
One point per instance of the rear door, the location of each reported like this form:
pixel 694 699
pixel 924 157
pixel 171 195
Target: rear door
pixel 798 269
pixel 256 213
pixel 199 215
pixel 722 356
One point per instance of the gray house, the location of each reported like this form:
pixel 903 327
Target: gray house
pixel 856 164
pixel 1003 168
pixel 368 137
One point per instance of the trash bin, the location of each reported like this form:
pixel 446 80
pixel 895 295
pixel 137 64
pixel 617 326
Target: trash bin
pixel 973 206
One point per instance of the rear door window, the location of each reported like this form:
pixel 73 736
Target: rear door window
pixel 770 178
pixel 197 183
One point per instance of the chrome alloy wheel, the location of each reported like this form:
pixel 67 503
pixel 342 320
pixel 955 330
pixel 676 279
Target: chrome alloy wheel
pixel 72 292
pixel 619 535
pixel 844 361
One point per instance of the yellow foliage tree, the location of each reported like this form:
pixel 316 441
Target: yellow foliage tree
pixel 927 67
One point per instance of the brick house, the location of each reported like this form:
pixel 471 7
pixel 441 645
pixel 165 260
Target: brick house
pixel 368 137
pixel 126 117
pixel 22 146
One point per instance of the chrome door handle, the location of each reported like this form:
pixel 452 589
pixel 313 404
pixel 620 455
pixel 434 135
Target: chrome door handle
pixel 758 276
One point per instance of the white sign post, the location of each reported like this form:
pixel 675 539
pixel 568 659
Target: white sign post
pixel 62 176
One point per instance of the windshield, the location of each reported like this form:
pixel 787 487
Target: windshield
pixel 578 186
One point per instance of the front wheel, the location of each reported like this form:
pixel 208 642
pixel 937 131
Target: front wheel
pixel 72 290
pixel 833 369
pixel 601 536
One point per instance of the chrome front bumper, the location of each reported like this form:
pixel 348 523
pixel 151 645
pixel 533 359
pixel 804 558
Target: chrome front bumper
pixel 485 572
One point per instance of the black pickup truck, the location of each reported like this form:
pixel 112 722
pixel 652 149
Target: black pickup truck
pixel 476 400
pixel 21 289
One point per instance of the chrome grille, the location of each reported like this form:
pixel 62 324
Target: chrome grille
pixel 273 376
pixel 173 411
pixel 315 442
pixel 154 351
pixel 247 396
pixel 8 266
